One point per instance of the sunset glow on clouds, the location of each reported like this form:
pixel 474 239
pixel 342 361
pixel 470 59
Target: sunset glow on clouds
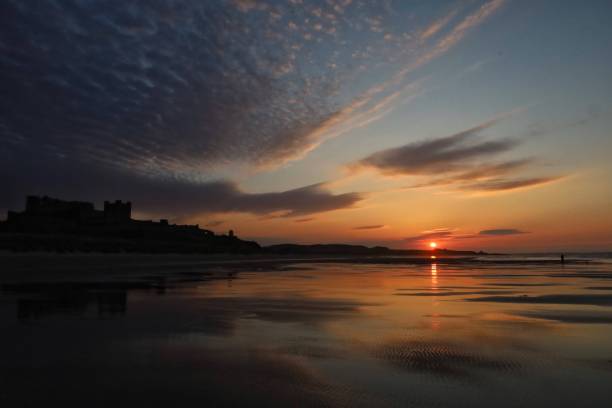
pixel 385 122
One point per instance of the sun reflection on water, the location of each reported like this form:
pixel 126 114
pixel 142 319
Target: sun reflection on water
pixel 434 276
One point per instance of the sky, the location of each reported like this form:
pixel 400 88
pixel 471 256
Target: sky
pixel 478 124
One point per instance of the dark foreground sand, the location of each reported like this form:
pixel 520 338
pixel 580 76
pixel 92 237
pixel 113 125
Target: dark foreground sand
pixel 187 330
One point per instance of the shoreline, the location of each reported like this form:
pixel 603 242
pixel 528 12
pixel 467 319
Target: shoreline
pixel 53 261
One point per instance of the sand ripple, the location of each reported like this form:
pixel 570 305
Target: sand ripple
pixel 441 359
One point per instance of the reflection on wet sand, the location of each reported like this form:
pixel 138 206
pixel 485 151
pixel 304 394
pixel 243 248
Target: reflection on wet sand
pixel 434 276
pixel 108 304
pixel 570 299
pixel 441 359
pixel 318 334
pixel 37 300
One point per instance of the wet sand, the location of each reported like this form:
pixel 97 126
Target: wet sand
pixel 144 330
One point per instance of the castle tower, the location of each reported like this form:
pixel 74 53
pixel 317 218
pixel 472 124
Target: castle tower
pixel 117 212
pixel 33 203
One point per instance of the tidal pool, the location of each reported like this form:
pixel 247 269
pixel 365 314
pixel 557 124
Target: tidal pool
pixel 173 331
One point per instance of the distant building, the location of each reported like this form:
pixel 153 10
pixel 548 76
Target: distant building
pixel 46 214
pixel 49 224
pixel 117 212
pixel 54 208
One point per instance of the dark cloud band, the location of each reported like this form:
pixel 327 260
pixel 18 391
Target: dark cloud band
pixel 501 231
pixel 369 227
pixel 181 198
pixel 460 160
pixel 441 155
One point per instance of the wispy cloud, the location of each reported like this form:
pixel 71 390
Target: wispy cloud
pixel 457 34
pixel 448 235
pixel 369 227
pixel 499 185
pixel 372 108
pixel 163 197
pixel 537 129
pixel 436 234
pixel 501 231
pixel 467 24
pixel 380 99
pixel 478 65
pixel 473 173
pixel 463 161
pixel 437 25
pixel 448 154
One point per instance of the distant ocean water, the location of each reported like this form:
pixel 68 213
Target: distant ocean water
pixel 593 256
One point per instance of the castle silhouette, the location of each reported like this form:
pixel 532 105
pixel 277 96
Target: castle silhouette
pixel 76 225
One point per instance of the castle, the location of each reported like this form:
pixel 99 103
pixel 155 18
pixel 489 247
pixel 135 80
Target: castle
pixel 51 215
pixel 41 212
pixel 50 224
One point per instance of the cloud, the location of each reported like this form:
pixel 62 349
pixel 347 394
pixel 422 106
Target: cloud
pixel 463 161
pixel 181 86
pixel 451 234
pixel 461 29
pixel 455 35
pixel 479 172
pixel 501 231
pixel 436 234
pixel 497 185
pixel 496 169
pixel 443 155
pixel 176 87
pixel 437 25
pixel 593 113
pixel 167 198
pixel 305 219
pixel 478 65
pixel 369 227
pixel 248 5
pixel 378 99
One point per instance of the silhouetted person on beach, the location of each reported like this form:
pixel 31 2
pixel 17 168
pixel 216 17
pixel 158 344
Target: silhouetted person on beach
pixel 562 258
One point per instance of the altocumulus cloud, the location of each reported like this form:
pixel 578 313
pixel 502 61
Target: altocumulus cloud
pixel 161 93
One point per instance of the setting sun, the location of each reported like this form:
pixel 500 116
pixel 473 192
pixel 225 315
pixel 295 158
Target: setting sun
pixel 433 245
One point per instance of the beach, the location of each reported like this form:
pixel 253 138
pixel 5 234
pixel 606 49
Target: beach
pixel 119 330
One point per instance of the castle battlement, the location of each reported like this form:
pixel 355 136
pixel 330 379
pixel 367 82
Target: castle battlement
pixel 51 224
pixel 46 214
pixel 117 211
